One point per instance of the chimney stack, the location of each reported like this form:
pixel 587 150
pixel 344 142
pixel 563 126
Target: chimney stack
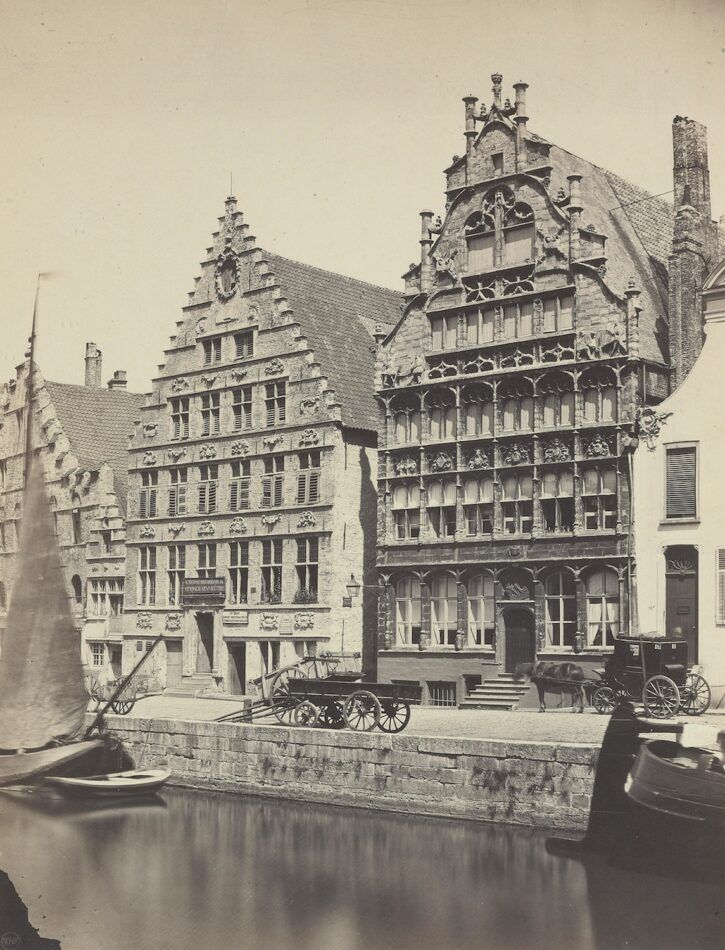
pixel 470 133
pixel 575 209
pixel 118 381
pixel 94 366
pixel 426 277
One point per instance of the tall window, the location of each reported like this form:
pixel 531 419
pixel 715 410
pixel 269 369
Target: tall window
pixel 557 501
pixel 441 508
pixel 517 507
pixel 602 608
pixel 180 418
pixel 479 326
pixel 106 596
pixel 559 314
pixel 210 414
pixel 444 330
pixel 481 616
pixel 275 403
pixel 98 654
pixel 557 409
pixel 147 575
pixel 444 610
pixel 518 412
pixel 212 350
pixel 75 516
pixel 77 586
pixel 478 415
pixel 208 481
pixel 238 571
pixel 206 560
pixel 307 570
pixel 560 595
pixel 308 478
pixel 177 572
pixel 271 592
pixel 3 597
pixel 720 609
pixel 177 491
pixel 244 344
pixel 599 498
pixel 599 398
pixel 3 474
pixel 406 426
pixel 681 481
pixel 408 610
pixel 478 505
pixel 242 408
pixel 273 482
pixel 442 422
pixel 147 495
pixel 239 485
pixel 518 320
pixel 406 511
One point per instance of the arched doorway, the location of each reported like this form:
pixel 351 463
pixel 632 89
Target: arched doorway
pixel 520 646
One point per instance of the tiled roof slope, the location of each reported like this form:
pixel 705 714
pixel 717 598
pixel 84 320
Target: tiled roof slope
pixel 652 218
pixel 98 423
pixel 338 315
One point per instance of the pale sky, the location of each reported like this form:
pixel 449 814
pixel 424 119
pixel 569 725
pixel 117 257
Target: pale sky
pixel 121 121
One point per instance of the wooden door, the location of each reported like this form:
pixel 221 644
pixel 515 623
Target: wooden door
pixel 682 610
pixel 520 640
pixel 173 662
pixel 237 668
pixel 205 651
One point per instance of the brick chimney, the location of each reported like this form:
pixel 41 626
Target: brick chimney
pixel 118 381
pixel 94 366
pixel 692 245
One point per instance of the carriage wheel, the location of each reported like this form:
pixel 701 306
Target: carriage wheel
pixel 331 716
pixel 661 697
pixel 394 716
pixel 306 714
pixel 362 710
pixel 284 705
pixel 695 695
pixel 122 706
pixel 94 690
pixel 604 700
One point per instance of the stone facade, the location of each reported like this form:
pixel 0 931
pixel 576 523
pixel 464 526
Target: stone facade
pixel 533 329
pixel 253 470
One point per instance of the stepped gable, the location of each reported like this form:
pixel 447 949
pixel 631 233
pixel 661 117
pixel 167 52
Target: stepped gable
pixel 98 424
pixel 338 316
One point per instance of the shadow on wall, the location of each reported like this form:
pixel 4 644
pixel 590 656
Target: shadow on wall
pixel 368 514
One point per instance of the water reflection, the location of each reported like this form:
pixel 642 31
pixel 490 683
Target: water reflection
pixel 217 871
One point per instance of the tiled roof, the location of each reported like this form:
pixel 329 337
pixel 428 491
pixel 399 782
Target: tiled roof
pixel 98 423
pixel 338 315
pixel 652 218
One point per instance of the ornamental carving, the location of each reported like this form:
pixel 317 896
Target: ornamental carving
pixel 478 459
pixel 274 368
pixel 176 529
pixel 304 621
pixel 445 260
pixel 269 521
pixel 269 441
pixel 200 326
pixel 440 462
pixel 144 620
pixel 206 529
pixel 598 447
pixel 85 481
pixel 147 531
pixel 150 430
pixel 173 621
pixel 268 622
pixel 617 342
pixel 238 526
pixel 556 451
pixel 226 274
pixel 180 384
pixel 149 458
pixel 515 591
pixel 309 437
pixel 239 374
pixel 407 465
pixel 306 520
pixel 239 447
pixel 516 454
pixel 208 380
pixel 649 425
pixel 207 452
pixel 176 454
pixel 312 403
pixel 589 346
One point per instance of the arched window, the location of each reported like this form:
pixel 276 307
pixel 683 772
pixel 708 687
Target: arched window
pixel 54 512
pixel 77 588
pixel 478 415
pixel 517 409
pixel 408 612
pixel 560 595
pixel 517 506
pixel 406 511
pixel 18 519
pixel 478 505
pixel 76 519
pixel 599 396
pixel 602 607
pixel 442 421
pixel 480 613
pixel 518 234
pixel 557 501
pixel 406 426
pixel 558 410
pixel 441 507
pixel 444 610
pixel 599 498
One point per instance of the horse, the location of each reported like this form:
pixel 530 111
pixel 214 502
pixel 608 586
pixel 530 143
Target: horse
pixel 563 679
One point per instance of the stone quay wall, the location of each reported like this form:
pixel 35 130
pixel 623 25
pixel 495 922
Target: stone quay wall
pixel 537 784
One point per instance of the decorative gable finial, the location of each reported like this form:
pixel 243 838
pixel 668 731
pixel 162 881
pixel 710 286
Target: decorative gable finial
pixel 497 79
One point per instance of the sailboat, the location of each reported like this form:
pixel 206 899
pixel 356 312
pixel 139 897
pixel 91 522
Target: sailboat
pixel 42 695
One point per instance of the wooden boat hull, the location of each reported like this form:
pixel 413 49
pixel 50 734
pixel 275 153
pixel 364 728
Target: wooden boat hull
pixel 16 767
pixel 135 782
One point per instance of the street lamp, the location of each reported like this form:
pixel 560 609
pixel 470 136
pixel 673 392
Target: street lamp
pixel 353 587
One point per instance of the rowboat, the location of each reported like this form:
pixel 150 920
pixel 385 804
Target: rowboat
pixel 130 783
pixel 16 767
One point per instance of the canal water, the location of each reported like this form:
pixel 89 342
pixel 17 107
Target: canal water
pixel 201 871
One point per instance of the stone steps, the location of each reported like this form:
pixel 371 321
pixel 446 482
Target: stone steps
pixel 501 692
pixel 190 686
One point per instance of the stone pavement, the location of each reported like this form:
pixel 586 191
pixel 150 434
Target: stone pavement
pixel 529 725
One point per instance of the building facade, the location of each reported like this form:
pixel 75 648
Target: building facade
pixel 80 434
pixel 535 325
pixel 252 472
pixel 679 507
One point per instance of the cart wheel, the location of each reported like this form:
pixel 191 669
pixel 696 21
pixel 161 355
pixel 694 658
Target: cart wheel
pixel 94 690
pixel 331 716
pixel 283 705
pixel 394 716
pixel 604 700
pixel 695 695
pixel 306 714
pixel 661 697
pixel 362 710
pixel 122 706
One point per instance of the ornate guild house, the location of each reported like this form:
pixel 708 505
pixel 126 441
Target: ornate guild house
pixel 535 325
pixel 251 529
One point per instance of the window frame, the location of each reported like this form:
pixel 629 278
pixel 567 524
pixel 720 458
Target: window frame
pixel 682 519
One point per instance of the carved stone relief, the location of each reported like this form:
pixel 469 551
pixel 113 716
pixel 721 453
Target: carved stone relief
pixel 238 526
pixel 206 529
pixel 144 620
pixel 306 520
pixel 239 447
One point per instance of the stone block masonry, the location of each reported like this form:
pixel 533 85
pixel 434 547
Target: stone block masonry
pixel 543 785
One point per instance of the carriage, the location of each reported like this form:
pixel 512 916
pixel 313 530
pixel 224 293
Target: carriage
pixel 654 672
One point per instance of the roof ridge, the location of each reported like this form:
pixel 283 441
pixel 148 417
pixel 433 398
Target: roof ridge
pixel 96 389
pixel 331 273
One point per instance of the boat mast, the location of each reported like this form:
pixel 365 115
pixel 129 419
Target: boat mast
pixel 29 393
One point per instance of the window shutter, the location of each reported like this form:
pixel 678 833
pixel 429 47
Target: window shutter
pixel 681 490
pixel 266 492
pixel 172 500
pixel 721 585
pixel 212 496
pixel 152 503
pixel 142 506
pixel 314 491
pixel 234 496
pixel 278 491
pixel 181 504
pixel 202 498
pixel 301 488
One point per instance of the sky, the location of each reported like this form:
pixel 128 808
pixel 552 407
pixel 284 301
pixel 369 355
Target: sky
pixel 122 122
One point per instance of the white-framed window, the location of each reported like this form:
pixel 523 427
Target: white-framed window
pixel 517 506
pixel 444 610
pixel 180 418
pixel 478 506
pixel 177 572
pixel 478 416
pixel 602 607
pixel 406 511
pixel 273 482
pixel 206 559
pixel 98 654
pixel 207 488
pixel 244 344
pixel 444 328
pixel 308 478
pixel 557 501
pixel 307 567
pixel 105 596
pixel 242 408
pixel 680 482
pixel 177 491
pixel 479 326
pixel 441 507
pixel 560 600
pixel 210 413
pixel 599 498
pixel 271 591
pixel 147 496
pixel 238 572
pixel 275 403
pixel 408 610
pixel 239 484
pixel 406 426
pixel 480 602
pixel 212 350
pixel 147 575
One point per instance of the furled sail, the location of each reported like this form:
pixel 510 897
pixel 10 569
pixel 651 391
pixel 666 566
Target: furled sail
pixel 42 696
